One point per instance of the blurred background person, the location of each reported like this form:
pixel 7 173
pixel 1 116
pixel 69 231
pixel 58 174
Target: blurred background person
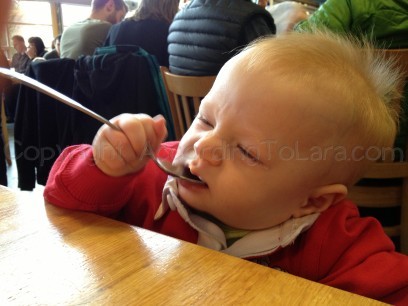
pixel 82 38
pixel 36 48
pixel 19 60
pixel 287 15
pixel 262 3
pixel 55 49
pixel 147 28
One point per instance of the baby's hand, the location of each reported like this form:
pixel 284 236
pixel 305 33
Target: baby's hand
pixel 118 153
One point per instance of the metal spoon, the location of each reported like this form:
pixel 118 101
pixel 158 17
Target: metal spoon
pixel 173 170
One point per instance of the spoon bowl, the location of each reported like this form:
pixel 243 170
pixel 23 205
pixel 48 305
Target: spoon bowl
pixel 166 166
pixel 178 171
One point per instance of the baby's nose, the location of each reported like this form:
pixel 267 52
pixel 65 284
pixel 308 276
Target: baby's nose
pixel 211 150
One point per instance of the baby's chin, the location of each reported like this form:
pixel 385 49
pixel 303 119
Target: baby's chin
pixel 215 219
pixel 203 214
pixel 200 212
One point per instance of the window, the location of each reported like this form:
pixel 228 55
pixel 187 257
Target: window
pixel 28 18
pixel 72 13
pixel 35 18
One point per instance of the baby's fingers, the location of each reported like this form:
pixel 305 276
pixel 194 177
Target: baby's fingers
pixel 140 130
pixel 123 151
pixel 143 129
pixel 108 147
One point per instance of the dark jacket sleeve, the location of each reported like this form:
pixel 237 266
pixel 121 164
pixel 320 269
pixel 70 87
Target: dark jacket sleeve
pixel 26 136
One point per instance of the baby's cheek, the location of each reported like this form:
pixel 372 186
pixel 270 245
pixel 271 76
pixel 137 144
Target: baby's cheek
pixel 186 146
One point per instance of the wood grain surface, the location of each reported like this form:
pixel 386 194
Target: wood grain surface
pixel 52 256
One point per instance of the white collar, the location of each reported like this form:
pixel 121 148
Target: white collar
pixel 210 235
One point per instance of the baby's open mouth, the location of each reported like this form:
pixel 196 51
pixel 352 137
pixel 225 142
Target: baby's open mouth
pixel 187 173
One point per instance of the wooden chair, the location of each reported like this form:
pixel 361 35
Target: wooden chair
pixel 184 94
pixel 391 191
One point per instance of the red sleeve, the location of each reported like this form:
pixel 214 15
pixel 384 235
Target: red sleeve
pixel 75 182
pixel 355 255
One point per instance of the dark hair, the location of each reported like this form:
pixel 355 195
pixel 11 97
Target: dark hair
pixel 39 45
pixel 54 41
pixel 99 4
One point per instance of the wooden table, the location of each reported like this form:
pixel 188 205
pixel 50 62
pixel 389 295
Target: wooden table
pixel 53 256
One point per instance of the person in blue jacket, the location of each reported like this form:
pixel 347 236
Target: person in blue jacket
pixel 147 28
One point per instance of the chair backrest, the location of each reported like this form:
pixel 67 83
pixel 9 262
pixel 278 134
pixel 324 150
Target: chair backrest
pixel 385 185
pixel 185 94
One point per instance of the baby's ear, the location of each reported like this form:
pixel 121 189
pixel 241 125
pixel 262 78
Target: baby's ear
pixel 321 199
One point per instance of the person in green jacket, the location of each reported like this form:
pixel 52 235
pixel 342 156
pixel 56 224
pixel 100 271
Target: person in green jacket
pixel 385 22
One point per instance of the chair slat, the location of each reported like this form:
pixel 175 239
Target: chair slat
pixel 184 94
pixel 196 102
pixel 387 170
pixel 186 110
pixel 377 197
pixel 178 117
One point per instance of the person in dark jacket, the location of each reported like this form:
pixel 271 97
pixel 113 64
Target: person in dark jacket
pixel 207 33
pixel 147 28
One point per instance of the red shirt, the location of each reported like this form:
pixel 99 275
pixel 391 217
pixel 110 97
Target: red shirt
pixel 341 249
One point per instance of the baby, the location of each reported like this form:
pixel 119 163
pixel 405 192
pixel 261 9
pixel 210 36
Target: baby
pixel 289 124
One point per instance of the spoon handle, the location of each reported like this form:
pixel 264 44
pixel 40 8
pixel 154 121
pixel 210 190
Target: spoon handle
pixel 23 79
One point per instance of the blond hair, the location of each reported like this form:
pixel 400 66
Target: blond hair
pixel 340 69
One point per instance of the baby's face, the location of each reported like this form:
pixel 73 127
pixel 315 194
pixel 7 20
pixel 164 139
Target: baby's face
pixel 245 145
